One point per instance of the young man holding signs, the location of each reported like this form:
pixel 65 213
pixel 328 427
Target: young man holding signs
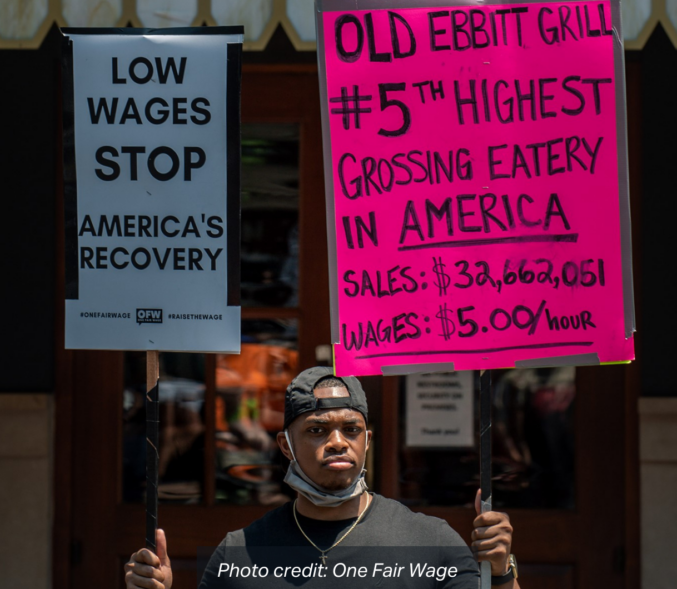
pixel 335 521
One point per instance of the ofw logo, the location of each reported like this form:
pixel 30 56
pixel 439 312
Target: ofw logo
pixel 148 316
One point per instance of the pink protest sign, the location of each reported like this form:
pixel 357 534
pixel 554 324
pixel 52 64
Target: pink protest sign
pixel 476 183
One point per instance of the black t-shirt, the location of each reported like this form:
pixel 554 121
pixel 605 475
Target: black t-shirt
pixel 390 548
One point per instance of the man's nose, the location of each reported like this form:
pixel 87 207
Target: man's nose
pixel 336 441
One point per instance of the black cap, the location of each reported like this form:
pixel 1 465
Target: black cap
pixel 300 398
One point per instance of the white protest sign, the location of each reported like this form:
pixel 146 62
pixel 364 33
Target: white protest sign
pixel 440 410
pixel 151 159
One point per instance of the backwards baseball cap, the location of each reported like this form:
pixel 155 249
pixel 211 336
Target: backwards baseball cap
pixel 300 399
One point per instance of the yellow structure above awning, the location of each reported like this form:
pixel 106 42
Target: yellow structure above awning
pixel 24 23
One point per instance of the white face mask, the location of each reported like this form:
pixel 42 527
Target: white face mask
pixel 302 483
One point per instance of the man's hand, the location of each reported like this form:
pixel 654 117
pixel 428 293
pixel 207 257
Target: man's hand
pixel 145 570
pixel 492 538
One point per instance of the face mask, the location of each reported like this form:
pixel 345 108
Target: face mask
pixel 301 483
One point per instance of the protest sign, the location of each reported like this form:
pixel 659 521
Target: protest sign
pixel 151 183
pixel 476 173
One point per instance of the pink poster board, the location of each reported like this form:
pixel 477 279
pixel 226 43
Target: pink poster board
pixel 476 177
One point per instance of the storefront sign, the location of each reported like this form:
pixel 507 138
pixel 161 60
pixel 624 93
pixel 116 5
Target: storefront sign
pixel 440 410
pixel 151 158
pixel 477 184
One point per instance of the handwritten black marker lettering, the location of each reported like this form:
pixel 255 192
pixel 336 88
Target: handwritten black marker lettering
pixel 354 289
pixel 443 212
pixel 463 213
pixel 374 56
pixel 357 182
pixel 588 31
pixel 478 20
pixel 549 35
pixel 346 109
pixel 402 166
pixel 486 212
pixel 410 157
pixel 420 86
pixel 595 82
pixel 395 18
pixel 545 114
pixel 507 207
pixel 342 53
pixel 485 101
pixel 566 86
pixel 371 337
pixel 518 12
pixel 571 146
pixel 440 165
pixel 564 16
pixel 435 32
pixel 411 285
pixel 410 222
pixel 602 20
pixel 508 101
pixel 592 152
pixel 461 102
pixel 459 19
pixel 386 102
pixel 555 210
pixel 520 211
pixel 519 162
pixel 438 90
pixel 442 279
pixel 370 230
pixel 494 163
pixel 526 97
pixel 368 169
pixel 502 12
pixel 385 164
pixel 541 346
pixel 552 170
pixel 535 147
pixel 464 169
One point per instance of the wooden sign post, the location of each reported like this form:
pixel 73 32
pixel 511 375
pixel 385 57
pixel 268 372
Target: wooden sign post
pixel 152 444
pixel 485 459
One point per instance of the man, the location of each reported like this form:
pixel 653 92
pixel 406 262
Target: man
pixel 335 523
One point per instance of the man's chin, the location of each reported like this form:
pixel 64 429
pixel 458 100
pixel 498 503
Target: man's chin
pixel 337 483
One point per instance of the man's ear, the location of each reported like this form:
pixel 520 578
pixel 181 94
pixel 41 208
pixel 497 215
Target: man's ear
pixel 284 446
pixel 369 435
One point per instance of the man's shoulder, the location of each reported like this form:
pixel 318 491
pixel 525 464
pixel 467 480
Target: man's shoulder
pixel 418 527
pixel 261 532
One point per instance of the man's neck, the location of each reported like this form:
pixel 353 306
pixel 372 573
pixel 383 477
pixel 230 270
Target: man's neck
pixel 346 510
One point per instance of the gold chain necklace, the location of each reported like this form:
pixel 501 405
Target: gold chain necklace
pixel 323 553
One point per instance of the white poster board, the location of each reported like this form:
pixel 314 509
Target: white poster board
pixel 151 159
pixel 439 410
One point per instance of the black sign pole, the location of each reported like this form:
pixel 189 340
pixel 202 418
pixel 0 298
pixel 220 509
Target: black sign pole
pixel 485 460
pixel 152 444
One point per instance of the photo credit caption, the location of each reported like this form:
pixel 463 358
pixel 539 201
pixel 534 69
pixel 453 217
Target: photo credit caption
pixel 340 571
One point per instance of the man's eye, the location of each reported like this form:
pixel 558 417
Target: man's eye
pixel 315 430
pixel 354 430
